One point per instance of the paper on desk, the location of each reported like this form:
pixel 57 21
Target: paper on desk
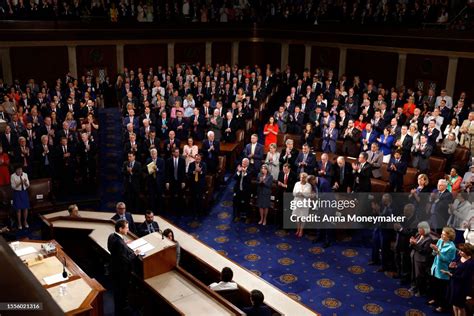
pixel 54 279
pixel 145 248
pixel 137 243
pixel 25 251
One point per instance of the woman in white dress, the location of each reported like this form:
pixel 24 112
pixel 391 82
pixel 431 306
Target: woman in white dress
pixel 273 161
pixel 413 132
pixel 302 191
pixel 189 152
pixel 188 105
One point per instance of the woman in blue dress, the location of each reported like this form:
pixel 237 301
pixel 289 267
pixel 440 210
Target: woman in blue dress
pixel 21 201
pixel 385 144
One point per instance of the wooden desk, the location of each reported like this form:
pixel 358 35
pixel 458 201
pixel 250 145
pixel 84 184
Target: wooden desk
pixel 84 295
pixel 188 298
pixel 161 260
pixel 230 150
pixel 274 297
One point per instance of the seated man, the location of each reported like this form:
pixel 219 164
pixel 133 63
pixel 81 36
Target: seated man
pixel 257 308
pixel 121 213
pixel 73 210
pixel 226 282
pixel 149 226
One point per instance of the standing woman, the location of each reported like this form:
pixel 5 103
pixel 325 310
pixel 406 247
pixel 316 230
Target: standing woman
pixel 21 201
pixel 270 131
pixel 302 190
pixel 273 161
pixel 444 252
pixel 460 279
pixel 4 167
pixel 264 193
pixel 189 152
pixel 385 144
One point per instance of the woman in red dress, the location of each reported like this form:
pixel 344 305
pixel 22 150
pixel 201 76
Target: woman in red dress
pixel 270 131
pixel 4 168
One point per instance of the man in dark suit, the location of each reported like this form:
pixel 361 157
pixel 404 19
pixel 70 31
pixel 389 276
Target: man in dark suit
pixel 229 128
pixel 131 171
pixel 210 152
pixel 175 178
pixel 432 133
pixel 289 154
pixel 44 154
pixel 242 190
pixel 351 137
pixel 122 214
pixel 296 121
pixel 404 143
pixel 324 168
pixel 155 179
pixel 254 152
pixel 180 126
pixel 9 140
pixel 121 264
pixel 197 171
pixel 343 179
pixel 397 169
pixel 404 231
pixel 198 124
pixel 362 174
pixel 132 145
pixel 163 125
pixel 306 161
pixel 149 226
pixel 170 144
pixel 421 154
pixel 87 151
pixel 440 206
pixel 65 162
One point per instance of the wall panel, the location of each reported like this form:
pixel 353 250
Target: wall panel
pixel 39 63
pixel 325 58
pixel 260 53
pixel 430 70
pixel 145 56
pixel 221 53
pixel 95 58
pixel 296 57
pixel 189 53
pixel 464 80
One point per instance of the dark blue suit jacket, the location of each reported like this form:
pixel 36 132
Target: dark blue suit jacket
pixel 323 185
pixel 129 218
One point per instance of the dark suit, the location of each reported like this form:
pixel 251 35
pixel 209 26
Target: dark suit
pixel 242 188
pixel 197 183
pixel 211 156
pixel 162 127
pixel 65 167
pixel 121 264
pixel 181 128
pixel 197 131
pixel 256 160
pixel 406 147
pixel 155 183
pixel 132 184
pixel 169 146
pixel 229 137
pixel 402 247
pixel 362 179
pixel 310 163
pixel 439 210
pixel 325 172
pixel 45 160
pixel 421 260
pixel 262 310
pixel 329 140
pixel 87 163
pixel 421 158
pixel 396 176
pixel 145 228
pixel 129 218
pixel 175 176
pixel 350 146
pixel 290 159
pixel 343 177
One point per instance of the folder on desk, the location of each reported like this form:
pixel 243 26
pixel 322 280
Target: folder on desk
pixel 137 243
pixel 54 278
pixel 25 251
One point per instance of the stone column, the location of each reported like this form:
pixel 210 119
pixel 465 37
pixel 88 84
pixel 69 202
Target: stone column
pixel 451 78
pixel 402 64
pixel 72 60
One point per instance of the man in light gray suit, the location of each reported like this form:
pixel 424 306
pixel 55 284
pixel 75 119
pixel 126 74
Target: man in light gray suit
pixel 421 154
pixel 375 159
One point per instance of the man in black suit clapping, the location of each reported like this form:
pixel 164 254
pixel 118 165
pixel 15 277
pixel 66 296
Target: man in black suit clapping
pixel 197 180
pixel 175 177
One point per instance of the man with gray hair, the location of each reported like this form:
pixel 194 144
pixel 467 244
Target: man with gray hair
pixel 440 201
pixel 210 152
pixel 243 178
pixel 122 214
pixel 289 154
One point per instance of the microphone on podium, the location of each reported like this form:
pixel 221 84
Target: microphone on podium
pixel 64 268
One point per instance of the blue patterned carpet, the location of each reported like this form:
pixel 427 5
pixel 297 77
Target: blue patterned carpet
pixel 111 158
pixel 332 281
